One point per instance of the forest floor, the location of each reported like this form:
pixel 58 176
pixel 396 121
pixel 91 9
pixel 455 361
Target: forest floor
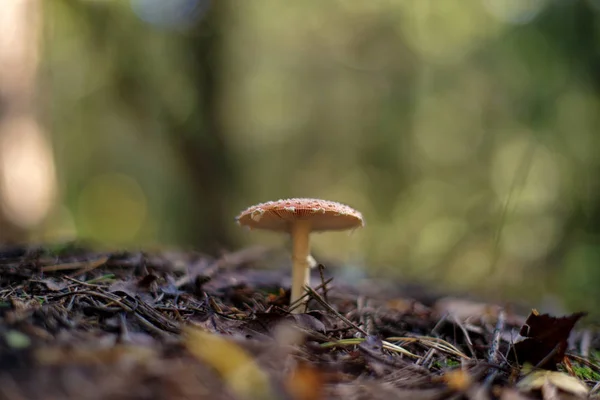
pixel 81 324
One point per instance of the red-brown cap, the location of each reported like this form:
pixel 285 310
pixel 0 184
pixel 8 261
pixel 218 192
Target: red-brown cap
pixel 278 215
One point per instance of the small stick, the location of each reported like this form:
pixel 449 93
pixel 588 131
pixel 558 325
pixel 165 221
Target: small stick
pixel 586 340
pixel 85 266
pixel 494 356
pixel 423 361
pixel 320 300
pixel 77 281
pixel 299 301
pixel 443 319
pixel 150 327
pixel 321 272
pixel 595 388
pixel 548 357
pixel 467 337
pixel 360 305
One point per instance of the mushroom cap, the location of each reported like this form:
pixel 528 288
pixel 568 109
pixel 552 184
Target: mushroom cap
pixel 323 215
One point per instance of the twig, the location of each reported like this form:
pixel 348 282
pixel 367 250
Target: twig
pixel 427 357
pixel 494 355
pixel 378 355
pixel 321 301
pixel 78 282
pixel 84 265
pixel 437 343
pixel 595 388
pixel 360 304
pixel 109 298
pixel 299 302
pixel 467 337
pixel 357 341
pixel 436 327
pixel 322 274
pixel 489 379
pixel 548 356
pixel 586 341
pixel 150 326
pixel 153 316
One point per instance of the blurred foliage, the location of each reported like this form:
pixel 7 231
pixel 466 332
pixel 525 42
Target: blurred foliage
pixel 466 132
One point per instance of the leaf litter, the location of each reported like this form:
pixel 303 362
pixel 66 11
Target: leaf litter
pixel 83 324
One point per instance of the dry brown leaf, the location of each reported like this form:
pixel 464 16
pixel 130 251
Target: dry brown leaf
pixel 545 339
pixel 467 310
pixel 400 305
pixel 94 356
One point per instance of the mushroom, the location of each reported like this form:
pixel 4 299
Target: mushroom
pixel 299 217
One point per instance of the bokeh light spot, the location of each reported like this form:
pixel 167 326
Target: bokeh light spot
pixel 111 208
pixel 443 31
pixel 530 239
pixel 447 130
pixel 27 177
pixel 515 11
pixel 438 236
pixel 528 172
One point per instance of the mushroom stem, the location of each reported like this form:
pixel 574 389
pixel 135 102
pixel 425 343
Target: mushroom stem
pixel 300 267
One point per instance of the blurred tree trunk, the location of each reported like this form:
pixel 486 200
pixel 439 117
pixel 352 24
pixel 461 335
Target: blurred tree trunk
pixel 200 140
pixel 571 28
pixel 27 180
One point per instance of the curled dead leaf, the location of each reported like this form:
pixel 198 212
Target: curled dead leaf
pixel 545 340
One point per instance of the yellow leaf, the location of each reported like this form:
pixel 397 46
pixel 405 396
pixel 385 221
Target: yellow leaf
pixel 240 373
pixel 305 383
pixel 537 379
pixel 458 379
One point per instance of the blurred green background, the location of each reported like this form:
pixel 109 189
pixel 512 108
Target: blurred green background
pixel 465 131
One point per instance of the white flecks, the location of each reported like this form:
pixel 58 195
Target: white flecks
pixel 290 209
pixel 257 214
pixel 320 210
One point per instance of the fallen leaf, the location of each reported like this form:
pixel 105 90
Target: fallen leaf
pixel 305 383
pixel 133 288
pixel 458 380
pixel 467 310
pixel 266 323
pixel 54 355
pixel 551 382
pixel 53 285
pixel 510 394
pixel 21 309
pixel 240 373
pixel 544 335
pixel 86 265
pixel 288 334
pixel 16 340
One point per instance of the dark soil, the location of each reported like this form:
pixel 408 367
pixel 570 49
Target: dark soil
pixel 81 324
